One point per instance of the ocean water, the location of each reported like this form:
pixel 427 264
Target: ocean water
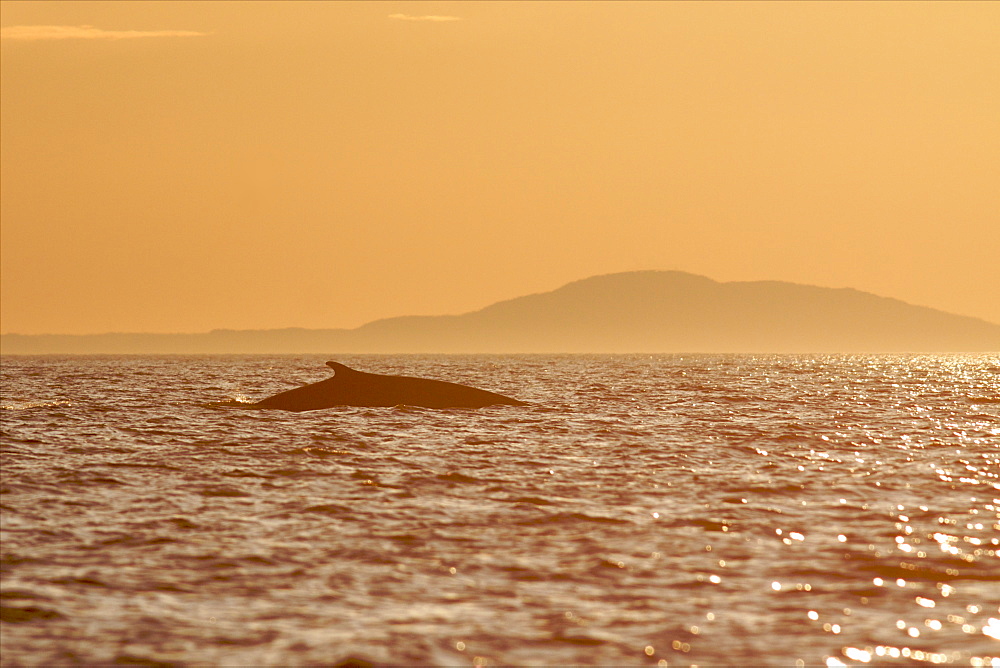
pixel 645 510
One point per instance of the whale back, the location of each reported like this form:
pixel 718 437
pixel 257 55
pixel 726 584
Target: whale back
pixel 341 369
pixel 350 387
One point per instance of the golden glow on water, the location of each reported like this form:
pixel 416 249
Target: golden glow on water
pixel 609 532
pixel 966 541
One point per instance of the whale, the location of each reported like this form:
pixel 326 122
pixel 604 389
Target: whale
pixel 350 387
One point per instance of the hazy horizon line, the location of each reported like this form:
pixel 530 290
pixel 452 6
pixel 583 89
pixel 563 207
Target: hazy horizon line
pixel 435 315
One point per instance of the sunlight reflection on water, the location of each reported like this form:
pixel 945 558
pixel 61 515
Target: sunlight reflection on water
pixel 668 510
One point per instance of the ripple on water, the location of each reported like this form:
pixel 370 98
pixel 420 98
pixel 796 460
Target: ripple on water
pixel 679 509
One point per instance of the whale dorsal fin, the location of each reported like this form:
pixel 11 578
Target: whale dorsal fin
pixel 341 370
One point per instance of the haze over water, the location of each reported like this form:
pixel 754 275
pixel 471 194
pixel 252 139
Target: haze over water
pixel 306 177
pixel 191 166
pixel 644 510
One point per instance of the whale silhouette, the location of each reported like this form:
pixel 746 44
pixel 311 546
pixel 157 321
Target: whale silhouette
pixel 349 387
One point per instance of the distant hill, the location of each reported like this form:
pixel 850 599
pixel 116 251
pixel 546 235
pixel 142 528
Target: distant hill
pixel 643 311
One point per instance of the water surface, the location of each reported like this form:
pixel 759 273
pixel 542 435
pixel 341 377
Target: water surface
pixel 672 510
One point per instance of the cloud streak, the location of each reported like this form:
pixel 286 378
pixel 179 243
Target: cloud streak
pixel 427 17
pixel 37 33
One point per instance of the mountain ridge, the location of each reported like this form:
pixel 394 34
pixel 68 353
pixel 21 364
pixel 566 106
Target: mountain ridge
pixel 640 311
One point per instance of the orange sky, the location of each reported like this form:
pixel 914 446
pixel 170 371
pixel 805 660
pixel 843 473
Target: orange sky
pixel 189 166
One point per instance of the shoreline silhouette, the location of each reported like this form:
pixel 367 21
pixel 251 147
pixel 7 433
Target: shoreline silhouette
pixel 629 312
